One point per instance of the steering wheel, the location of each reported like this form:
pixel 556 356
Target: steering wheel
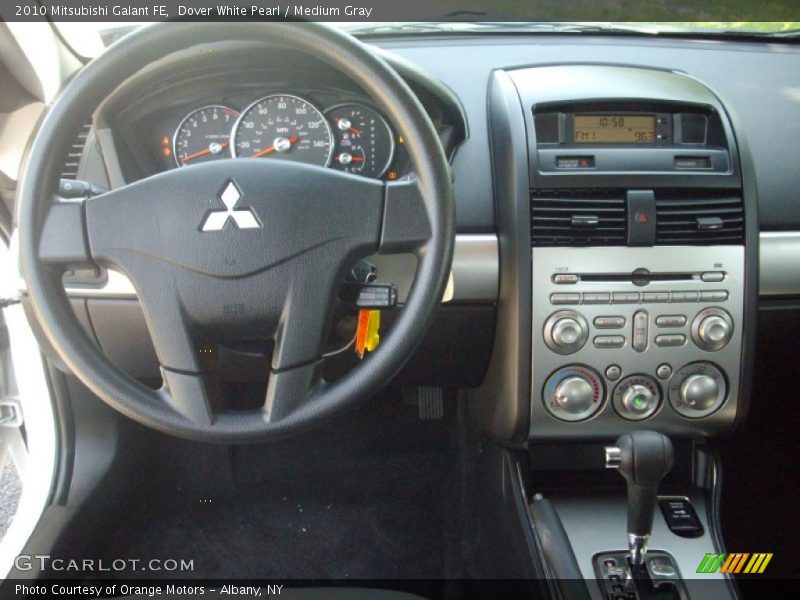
pixel 289 232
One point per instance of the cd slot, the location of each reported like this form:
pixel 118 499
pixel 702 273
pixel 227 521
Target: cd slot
pixel 636 277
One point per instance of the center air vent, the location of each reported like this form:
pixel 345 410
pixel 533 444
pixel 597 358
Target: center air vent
pixel 591 217
pixel 699 217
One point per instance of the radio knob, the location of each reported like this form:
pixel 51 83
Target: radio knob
pixel 699 392
pixel 566 332
pixel 574 395
pixel 712 329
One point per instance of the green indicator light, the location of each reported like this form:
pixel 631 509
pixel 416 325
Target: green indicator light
pixel 640 402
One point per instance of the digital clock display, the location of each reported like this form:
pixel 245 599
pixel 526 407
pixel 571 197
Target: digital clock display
pixel 615 129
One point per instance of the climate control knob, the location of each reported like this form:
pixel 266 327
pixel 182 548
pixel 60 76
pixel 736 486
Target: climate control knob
pixel 712 329
pixel 573 393
pixel 697 390
pixel 566 332
pixel 636 397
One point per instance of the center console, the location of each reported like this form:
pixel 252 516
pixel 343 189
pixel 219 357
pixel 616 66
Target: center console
pixel 627 221
pixel 623 336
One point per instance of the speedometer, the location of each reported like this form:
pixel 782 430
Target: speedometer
pixel 283 127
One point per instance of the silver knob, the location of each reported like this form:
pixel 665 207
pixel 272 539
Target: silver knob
pixel 567 332
pixel 714 331
pixel 699 391
pixel 574 395
pixel 637 399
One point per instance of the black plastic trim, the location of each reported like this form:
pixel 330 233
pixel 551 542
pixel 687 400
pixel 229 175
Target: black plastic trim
pixel 502 403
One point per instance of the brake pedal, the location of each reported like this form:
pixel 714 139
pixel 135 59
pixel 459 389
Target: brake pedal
pixel 430 400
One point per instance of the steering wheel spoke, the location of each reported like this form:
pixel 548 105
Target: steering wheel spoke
pixel 187 394
pixel 406 223
pixel 289 390
pixel 63 238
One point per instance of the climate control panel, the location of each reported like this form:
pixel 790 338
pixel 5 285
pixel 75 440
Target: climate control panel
pixel 623 336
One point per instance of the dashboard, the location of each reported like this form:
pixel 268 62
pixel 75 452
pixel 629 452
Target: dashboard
pixel 638 308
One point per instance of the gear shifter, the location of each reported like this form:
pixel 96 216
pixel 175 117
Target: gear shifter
pixel 643 458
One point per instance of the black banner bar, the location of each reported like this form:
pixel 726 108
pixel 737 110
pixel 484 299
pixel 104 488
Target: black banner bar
pixel 406 11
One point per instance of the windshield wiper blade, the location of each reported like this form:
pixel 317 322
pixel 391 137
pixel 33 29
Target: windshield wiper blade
pixel 562 27
pixel 398 28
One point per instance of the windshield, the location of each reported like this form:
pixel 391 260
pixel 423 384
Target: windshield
pixel 89 39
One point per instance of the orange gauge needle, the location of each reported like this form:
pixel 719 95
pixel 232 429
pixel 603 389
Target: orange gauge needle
pixel 353 159
pixel 272 148
pixel 208 150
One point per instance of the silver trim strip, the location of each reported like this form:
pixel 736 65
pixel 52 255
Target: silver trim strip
pixel 476 269
pixel 779 255
pixel 474 276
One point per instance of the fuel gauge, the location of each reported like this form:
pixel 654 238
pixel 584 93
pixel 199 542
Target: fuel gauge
pixel 363 140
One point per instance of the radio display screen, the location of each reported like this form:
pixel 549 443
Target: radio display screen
pixel 615 129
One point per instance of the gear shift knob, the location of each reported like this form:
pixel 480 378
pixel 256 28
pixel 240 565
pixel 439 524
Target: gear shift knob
pixel 643 458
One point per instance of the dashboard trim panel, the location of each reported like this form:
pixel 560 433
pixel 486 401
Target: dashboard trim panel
pixel 476 268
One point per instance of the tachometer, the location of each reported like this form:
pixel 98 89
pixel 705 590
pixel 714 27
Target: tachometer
pixel 283 127
pixel 204 135
pixel 364 141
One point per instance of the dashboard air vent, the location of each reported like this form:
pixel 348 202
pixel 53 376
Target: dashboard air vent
pixel 699 217
pixel 73 160
pixel 580 217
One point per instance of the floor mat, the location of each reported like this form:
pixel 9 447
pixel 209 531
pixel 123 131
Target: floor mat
pixel 367 497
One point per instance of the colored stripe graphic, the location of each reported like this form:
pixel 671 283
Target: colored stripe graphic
pixel 735 562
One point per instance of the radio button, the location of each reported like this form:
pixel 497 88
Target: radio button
pixel 651 297
pixel 609 322
pixel 625 297
pixel 685 296
pixel 714 296
pixel 565 298
pixel 609 341
pixel 613 372
pixel 640 328
pixel 596 298
pixel 563 278
pixel 670 340
pixel 713 276
pixel 671 321
pixel 664 371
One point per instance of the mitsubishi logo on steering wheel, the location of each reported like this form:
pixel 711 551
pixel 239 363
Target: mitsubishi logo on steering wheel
pixel 244 218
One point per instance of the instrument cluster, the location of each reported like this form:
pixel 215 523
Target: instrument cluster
pixel 348 136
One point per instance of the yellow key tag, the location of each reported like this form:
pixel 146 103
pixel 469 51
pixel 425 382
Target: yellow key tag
pixel 368 332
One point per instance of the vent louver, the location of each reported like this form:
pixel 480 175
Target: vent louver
pixel 584 217
pixel 699 217
pixel 73 160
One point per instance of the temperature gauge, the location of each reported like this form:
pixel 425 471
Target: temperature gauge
pixel 363 140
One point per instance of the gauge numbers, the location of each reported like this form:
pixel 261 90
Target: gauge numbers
pixel 283 127
pixel 204 135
